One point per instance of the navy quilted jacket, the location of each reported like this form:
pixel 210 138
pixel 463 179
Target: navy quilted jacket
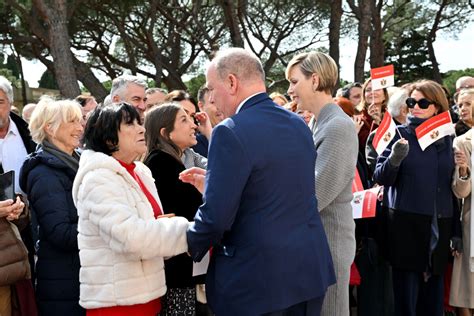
pixel 48 183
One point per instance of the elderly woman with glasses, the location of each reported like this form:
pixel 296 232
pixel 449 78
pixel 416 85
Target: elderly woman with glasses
pixel 421 205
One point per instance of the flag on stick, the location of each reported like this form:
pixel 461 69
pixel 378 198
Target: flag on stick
pixel 433 129
pixel 384 134
pixel 364 203
pixel 382 77
pixel 357 182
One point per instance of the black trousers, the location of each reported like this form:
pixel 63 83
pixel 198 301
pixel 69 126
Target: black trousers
pixel 415 296
pixel 307 308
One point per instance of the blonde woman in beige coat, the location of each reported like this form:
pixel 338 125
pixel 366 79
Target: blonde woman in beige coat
pixel 462 282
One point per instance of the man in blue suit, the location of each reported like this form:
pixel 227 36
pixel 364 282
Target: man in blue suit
pixel 270 254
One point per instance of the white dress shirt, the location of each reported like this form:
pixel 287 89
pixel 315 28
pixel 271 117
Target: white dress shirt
pixel 13 153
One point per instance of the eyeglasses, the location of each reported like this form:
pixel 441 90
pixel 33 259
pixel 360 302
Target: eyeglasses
pixel 422 103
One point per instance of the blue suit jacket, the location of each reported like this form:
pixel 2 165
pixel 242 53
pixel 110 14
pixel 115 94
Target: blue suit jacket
pixel 260 214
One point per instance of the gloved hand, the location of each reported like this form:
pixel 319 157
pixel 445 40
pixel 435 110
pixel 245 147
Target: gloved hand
pixel 399 152
pixel 456 244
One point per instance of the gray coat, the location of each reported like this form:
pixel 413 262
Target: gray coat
pixel 335 139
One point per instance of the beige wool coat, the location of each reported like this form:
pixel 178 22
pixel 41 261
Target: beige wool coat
pixel 462 282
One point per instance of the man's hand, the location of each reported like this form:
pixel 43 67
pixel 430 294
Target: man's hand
pixel 11 210
pixel 195 176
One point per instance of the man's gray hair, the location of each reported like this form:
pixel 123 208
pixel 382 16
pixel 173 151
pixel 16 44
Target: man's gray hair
pixel 239 62
pixel 396 102
pixel 119 85
pixel 6 87
pixel 462 81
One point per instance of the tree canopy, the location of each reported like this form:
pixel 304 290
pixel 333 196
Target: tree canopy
pixel 168 41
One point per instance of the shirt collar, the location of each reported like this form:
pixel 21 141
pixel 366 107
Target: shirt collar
pixel 12 128
pixel 243 102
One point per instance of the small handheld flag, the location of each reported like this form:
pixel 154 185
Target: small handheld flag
pixel 433 129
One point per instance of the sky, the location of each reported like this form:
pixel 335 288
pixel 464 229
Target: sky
pixel 452 54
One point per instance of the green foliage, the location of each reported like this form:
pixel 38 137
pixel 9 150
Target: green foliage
pixel 13 66
pixel 409 55
pixel 107 85
pixel 7 73
pixel 194 84
pixel 450 77
pixel 48 81
pixel 10 70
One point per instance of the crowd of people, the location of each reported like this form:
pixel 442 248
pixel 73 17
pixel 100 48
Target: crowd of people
pixel 117 202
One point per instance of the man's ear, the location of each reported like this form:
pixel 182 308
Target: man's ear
pixel 115 99
pixel 233 83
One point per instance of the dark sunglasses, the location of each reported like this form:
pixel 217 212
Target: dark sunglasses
pixel 422 103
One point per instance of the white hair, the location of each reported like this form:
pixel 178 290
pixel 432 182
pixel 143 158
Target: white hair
pixel 6 87
pixel 239 62
pixel 53 113
pixel 396 102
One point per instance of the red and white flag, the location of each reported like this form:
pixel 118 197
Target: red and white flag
pixel 364 203
pixel 357 182
pixel 433 129
pixel 382 77
pixel 384 134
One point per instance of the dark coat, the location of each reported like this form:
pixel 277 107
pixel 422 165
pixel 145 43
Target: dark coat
pixel 48 183
pixel 24 132
pixel 415 191
pixel 179 198
pixel 202 146
pixel 260 214
pixel 422 183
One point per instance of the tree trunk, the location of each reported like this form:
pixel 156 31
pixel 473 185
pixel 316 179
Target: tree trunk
pixel 86 76
pixel 362 44
pixel 334 34
pixel 377 50
pixel 54 14
pixel 232 21
pixel 173 82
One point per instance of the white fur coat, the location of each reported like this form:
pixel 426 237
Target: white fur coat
pixel 121 244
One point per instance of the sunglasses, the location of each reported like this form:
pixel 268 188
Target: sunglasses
pixel 422 103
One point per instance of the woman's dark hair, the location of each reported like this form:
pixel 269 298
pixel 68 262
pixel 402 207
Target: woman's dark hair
pixel 101 131
pixel 163 116
pixel 180 95
pixel 346 90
